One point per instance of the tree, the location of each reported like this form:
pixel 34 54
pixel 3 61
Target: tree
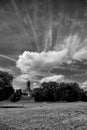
pixel 69 92
pixel 16 96
pixel 83 95
pixel 53 91
pixel 6 88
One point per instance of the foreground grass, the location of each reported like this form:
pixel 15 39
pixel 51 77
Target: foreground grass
pixel 43 116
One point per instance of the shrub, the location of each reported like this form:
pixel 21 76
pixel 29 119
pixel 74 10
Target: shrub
pixel 83 95
pixel 19 92
pixel 16 96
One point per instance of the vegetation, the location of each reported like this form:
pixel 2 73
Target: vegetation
pixel 17 95
pixel 6 88
pixel 53 91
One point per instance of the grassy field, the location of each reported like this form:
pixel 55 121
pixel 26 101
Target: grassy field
pixel 43 116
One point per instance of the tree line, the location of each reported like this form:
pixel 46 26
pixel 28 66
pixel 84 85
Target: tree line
pixel 51 91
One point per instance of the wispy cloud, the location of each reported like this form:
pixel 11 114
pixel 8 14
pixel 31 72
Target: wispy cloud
pixel 5 69
pixel 7 57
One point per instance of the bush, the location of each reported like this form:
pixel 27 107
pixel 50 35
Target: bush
pixel 83 95
pixel 53 91
pixel 6 88
pixel 19 92
pixel 16 96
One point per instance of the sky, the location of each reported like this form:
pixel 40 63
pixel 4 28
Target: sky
pixel 43 39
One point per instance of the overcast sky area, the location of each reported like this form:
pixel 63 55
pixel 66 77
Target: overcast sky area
pixel 42 39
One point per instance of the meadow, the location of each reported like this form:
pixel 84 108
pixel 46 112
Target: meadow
pixel 28 115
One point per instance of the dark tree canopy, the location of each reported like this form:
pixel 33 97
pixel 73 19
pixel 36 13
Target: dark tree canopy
pixel 16 96
pixel 53 91
pixel 6 88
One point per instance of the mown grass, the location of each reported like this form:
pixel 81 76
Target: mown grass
pixel 43 116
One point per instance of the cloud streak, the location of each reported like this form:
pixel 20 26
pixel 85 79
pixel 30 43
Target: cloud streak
pixel 7 57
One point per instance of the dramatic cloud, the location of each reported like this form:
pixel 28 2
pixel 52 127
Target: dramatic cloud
pixel 35 63
pixel 53 36
pixel 40 62
pixel 55 78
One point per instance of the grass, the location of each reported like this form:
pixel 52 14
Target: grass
pixel 43 116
